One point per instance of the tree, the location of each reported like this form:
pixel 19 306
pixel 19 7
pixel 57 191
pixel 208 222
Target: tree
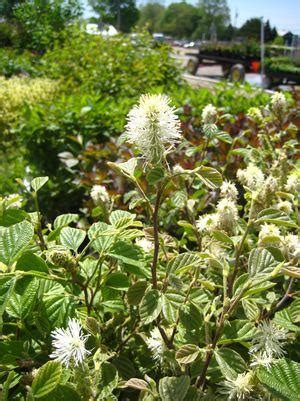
pixel 42 21
pixel 151 15
pixel 180 20
pixel 215 16
pixel 123 14
pixel 7 7
pixel 252 27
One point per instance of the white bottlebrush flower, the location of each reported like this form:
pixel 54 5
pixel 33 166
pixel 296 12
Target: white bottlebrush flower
pixel 256 114
pixel 177 169
pixel 292 245
pixel 227 213
pixel 13 201
pixel 269 340
pixel 99 194
pixel 69 344
pixel 229 191
pixel 278 102
pixel 208 222
pixel 238 388
pixel 262 359
pixel 145 244
pixel 268 231
pixel 293 182
pixel 252 177
pixel 152 125
pixel 156 344
pixel 209 114
pixel 285 206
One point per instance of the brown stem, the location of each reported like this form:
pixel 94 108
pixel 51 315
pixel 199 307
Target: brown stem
pixel 282 302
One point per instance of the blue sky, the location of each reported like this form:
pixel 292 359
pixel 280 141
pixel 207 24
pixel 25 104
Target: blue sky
pixel 284 14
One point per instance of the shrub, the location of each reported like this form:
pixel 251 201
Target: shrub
pixel 128 303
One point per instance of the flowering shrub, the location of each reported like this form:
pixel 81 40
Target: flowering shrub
pixel 189 294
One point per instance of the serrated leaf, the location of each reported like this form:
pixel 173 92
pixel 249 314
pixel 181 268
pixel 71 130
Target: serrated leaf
pixel 63 392
pixel 23 298
pixel 122 219
pixel 47 379
pixel 173 388
pixel 118 281
pixel 261 263
pixel 38 182
pixel 210 177
pixel 7 285
pixel 57 309
pixel 150 307
pixel 179 199
pixel 155 175
pixel 108 379
pixel 72 238
pixel 275 216
pixel 230 363
pixel 188 353
pixel 136 292
pixel 171 303
pixel 137 384
pixel 13 240
pixel 183 262
pixel 282 378
pixel 65 219
pixel 222 237
pixel 100 241
pixel 29 261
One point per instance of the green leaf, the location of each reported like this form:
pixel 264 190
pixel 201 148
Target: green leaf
pixel 47 379
pixel 29 261
pixel 188 353
pixel 12 216
pixel 150 307
pixel 289 317
pixel 275 216
pixel 57 308
pixel 7 285
pixel 137 384
pixel 155 175
pixel 126 168
pixel 108 379
pixel 118 281
pixel 210 177
pixel 261 263
pixel 230 363
pixel 183 262
pixel 179 199
pixel 23 298
pixel 171 304
pixel 136 292
pixel 173 388
pixel 224 137
pixel 38 182
pixel 122 219
pixel 63 392
pixel 65 219
pixel 222 237
pixel 72 238
pixel 282 379
pixel 99 236
pixel 13 240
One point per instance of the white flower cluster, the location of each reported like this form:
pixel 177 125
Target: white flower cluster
pixel 278 103
pixel 238 388
pixel 69 344
pixel 255 114
pixel 268 343
pixel 229 191
pixel 156 345
pixel 99 194
pixel 269 235
pixel 209 114
pixel 13 201
pixel 226 215
pixel 285 206
pixel 252 177
pixel 145 244
pixel 152 126
pixel 291 246
pixel 293 182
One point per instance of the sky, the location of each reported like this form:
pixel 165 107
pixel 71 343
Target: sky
pixel 284 14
